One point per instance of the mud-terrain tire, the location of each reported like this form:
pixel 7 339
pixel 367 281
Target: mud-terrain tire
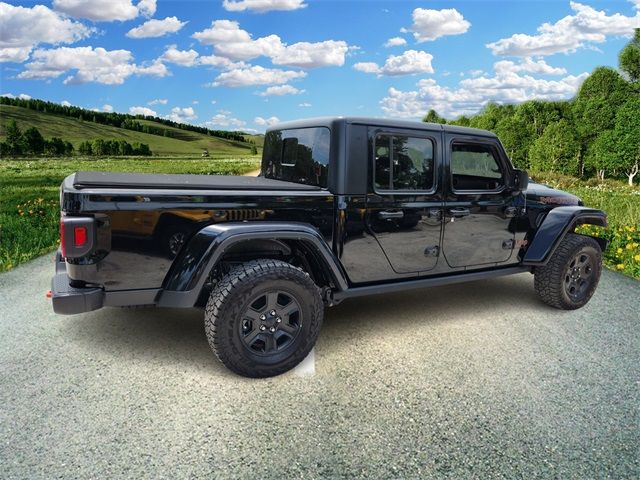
pixel 571 276
pixel 242 328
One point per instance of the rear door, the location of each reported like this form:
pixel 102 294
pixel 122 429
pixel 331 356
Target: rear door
pixel 404 206
pixel 479 209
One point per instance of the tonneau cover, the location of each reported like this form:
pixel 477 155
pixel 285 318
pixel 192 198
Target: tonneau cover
pixel 189 182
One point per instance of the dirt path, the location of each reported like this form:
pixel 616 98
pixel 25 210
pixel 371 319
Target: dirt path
pixel 253 173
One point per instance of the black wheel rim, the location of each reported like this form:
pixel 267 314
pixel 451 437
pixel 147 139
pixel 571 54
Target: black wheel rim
pixel 271 322
pixel 579 276
pixel 176 241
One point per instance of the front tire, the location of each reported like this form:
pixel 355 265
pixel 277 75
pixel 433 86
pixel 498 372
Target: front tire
pixel 263 317
pixel 569 279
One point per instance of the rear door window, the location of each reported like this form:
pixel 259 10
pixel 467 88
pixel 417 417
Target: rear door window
pixel 403 163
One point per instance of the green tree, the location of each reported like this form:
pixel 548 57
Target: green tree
pixel 85 148
pixel 33 141
pixel 254 150
pixel 597 102
pixel 627 134
pixel 433 117
pixel 68 148
pixel 98 147
pixel 463 121
pixel 629 58
pixel 14 139
pixel 557 150
pixel 517 136
pixel 602 156
pixel 54 147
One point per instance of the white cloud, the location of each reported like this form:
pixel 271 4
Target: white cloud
pixel 158 101
pixel 147 7
pixel 395 42
pixel 220 62
pixel 586 27
pixel 90 65
pixel 432 24
pixel 107 108
pixel 182 115
pixel 262 6
pixel 305 105
pixel 266 121
pixel 142 111
pixel 22 96
pixel 186 58
pixel 105 10
pixel 367 67
pixel 528 65
pixel 156 28
pixel 232 42
pixel 410 62
pixel 22 29
pixel 155 69
pixel 280 90
pixel 224 119
pixel 256 75
pixel 311 55
pixel 65 103
pixel 472 94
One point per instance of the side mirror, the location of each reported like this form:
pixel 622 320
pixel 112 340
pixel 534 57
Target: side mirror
pixel 520 180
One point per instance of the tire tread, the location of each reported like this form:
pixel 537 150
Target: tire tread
pixel 223 293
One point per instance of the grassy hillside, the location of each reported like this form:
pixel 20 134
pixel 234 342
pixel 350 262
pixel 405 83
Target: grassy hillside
pixel 76 131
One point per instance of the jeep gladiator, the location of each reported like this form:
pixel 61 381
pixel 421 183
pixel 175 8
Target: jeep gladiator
pixel 343 207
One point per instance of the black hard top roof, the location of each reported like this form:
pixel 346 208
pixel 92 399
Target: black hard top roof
pixel 381 122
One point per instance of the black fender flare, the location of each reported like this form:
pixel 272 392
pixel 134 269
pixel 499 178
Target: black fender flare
pixel 557 223
pixel 188 273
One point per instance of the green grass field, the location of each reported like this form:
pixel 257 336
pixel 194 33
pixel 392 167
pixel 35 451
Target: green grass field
pixel 29 195
pixel 77 131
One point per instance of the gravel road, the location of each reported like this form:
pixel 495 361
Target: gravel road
pixel 479 380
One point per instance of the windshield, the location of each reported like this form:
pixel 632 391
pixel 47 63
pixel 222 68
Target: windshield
pixel 299 155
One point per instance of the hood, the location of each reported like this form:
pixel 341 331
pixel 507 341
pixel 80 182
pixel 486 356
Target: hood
pixel 543 194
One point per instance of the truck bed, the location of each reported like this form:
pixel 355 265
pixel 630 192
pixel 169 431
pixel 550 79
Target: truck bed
pixel 88 180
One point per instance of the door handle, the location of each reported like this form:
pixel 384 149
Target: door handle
pixel 459 212
pixel 386 215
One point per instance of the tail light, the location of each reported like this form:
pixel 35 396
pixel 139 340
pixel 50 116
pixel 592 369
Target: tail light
pixel 77 236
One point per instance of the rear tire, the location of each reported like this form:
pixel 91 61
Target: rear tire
pixel 569 279
pixel 263 317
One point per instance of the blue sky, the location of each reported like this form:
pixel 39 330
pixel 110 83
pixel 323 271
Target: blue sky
pixel 243 64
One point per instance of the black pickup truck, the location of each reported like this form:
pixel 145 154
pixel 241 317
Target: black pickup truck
pixel 343 207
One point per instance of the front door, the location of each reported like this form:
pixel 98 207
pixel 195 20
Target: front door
pixel 404 210
pixel 479 209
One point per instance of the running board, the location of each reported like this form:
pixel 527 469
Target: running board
pixel 338 296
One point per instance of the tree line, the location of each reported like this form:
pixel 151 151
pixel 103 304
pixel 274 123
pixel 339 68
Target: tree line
pixel 119 120
pixel 31 142
pixel 597 133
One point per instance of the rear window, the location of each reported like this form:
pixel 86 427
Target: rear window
pixel 299 155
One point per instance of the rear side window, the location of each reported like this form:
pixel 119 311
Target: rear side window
pixel 475 166
pixel 403 163
pixel 299 155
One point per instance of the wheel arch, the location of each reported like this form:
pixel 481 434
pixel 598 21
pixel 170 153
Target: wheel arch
pixel 557 223
pixel 188 274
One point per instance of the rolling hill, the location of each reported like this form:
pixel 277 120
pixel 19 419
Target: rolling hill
pixel 74 130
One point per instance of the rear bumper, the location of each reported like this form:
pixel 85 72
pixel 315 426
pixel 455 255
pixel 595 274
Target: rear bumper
pixel 68 300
